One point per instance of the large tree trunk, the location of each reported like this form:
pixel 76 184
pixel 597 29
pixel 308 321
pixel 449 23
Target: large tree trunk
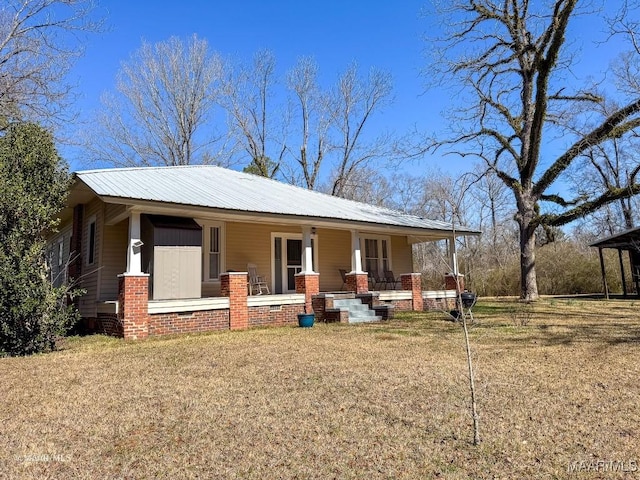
pixel 528 278
pixel 525 218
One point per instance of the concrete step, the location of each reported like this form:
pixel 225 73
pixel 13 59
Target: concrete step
pixel 358 312
pixel 373 318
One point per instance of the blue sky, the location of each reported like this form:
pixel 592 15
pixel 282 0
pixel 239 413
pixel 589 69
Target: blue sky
pixel 387 35
pixel 335 33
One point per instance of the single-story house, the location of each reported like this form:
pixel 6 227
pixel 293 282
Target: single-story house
pixel 167 250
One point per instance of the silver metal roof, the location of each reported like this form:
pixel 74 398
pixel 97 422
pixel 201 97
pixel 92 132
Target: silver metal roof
pixel 221 188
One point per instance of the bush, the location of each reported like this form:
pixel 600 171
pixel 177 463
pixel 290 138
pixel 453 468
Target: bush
pixel 33 185
pixel 564 267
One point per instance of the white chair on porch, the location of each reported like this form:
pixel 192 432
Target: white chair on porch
pixel 257 283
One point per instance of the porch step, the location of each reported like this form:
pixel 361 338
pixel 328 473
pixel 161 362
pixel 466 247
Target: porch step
pixel 358 312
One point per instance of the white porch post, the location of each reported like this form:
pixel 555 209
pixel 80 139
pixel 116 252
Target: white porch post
pixel 356 258
pixel 453 256
pixel 134 253
pixel 307 251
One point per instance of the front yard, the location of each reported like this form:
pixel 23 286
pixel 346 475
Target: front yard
pixel 558 398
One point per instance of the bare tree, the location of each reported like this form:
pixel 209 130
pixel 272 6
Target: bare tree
pixel 493 207
pixel 334 128
pixel 609 166
pixel 626 22
pixel 368 184
pixel 314 121
pixel 613 164
pixel 164 97
pixel 247 93
pixel 510 57
pixel 39 39
pixel 353 103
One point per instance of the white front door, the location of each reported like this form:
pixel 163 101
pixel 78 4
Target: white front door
pixel 287 261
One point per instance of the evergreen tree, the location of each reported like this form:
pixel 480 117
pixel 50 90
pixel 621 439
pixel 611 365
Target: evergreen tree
pixel 33 186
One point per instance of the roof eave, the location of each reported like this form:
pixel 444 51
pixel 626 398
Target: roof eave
pixel 267 217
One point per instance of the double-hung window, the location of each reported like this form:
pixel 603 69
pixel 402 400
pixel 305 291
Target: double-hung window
pixel 377 254
pixel 371 255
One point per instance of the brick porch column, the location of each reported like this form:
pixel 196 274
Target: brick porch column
pixel 358 282
pixel 451 284
pixel 309 284
pixel 133 305
pixel 234 286
pixel 413 282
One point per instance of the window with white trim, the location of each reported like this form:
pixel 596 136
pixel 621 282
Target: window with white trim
pixel 377 253
pixel 213 243
pixel 371 255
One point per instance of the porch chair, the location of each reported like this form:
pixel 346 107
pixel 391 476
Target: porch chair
pixel 376 280
pixel 343 274
pixel 257 283
pixel 390 279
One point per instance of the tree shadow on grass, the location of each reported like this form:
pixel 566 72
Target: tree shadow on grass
pixel 555 334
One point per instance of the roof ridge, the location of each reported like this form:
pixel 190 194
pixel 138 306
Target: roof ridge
pixel 152 167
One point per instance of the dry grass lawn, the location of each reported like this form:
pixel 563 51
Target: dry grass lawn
pixel 372 401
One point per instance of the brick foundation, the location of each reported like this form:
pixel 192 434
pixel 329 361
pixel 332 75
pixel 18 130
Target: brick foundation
pixel 189 322
pixel 401 305
pixel 133 306
pixel 443 304
pixel 265 316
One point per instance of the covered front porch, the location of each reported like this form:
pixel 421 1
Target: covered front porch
pixel 168 250
pixel 184 273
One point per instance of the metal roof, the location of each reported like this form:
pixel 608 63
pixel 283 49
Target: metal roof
pixel 627 240
pixel 221 188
